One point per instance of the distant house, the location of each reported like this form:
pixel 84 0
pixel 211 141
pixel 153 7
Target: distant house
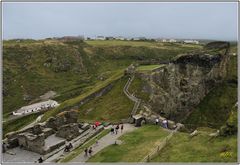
pixel 172 40
pixel 36 107
pixel 164 40
pixel 110 38
pixel 191 42
pixel 139 38
pixel 120 38
pixel 100 38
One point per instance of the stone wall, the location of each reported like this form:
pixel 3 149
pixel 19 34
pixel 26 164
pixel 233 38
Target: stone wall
pixel 32 142
pixel 62 118
pixel 68 131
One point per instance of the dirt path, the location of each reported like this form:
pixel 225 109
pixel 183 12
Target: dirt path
pixel 104 142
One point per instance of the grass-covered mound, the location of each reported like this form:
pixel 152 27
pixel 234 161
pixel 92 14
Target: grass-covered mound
pixel 200 148
pixel 111 107
pixel 135 145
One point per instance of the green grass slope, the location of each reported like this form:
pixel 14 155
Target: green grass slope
pixel 111 107
pixel 181 148
pixel 135 145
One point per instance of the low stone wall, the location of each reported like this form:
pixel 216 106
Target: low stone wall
pixel 32 142
pixel 54 147
pixel 68 131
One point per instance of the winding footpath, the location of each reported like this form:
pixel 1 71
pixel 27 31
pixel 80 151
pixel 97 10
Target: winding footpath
pixel 131 97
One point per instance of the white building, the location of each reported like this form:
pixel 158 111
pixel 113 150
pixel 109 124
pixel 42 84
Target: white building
pixel 172 40
pixel 100 38
pixel 36 107
pixel 120 38
pixel 191 41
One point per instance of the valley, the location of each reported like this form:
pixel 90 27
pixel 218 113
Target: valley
pixel 190 84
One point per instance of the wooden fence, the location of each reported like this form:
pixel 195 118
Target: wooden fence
pixel 159 147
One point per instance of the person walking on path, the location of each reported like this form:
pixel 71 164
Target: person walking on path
pixel 112 130
pixel 40 160
pixel 121 128
pixel 165 125
pixel 86 152
pixel 96 143
pixel 157 121
pixel 90 151
pixel 70 146
pixel 116 129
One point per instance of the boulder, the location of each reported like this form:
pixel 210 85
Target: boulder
pixel 171 124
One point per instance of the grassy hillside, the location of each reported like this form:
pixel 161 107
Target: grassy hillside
pixel 181 148
pixel 135 145
pixel 33 67
pixel 112 106
pixel 70 103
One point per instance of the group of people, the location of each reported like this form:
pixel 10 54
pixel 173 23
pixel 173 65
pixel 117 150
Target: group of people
pixel 164 123
pixel 114 130
pixel 88 152
pixel 68 147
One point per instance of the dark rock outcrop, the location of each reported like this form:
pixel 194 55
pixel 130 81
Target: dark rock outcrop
pixel 180 85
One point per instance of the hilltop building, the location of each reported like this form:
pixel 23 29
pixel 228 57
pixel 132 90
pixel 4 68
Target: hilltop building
pixel 100 38
pixel 120 38
pixel 172 40
pixel 191 42
pixel 169 40
pixel 36 107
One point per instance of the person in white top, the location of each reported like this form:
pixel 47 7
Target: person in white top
pixel 165 125
pixel 157 121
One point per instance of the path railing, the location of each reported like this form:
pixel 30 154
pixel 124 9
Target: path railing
pixel 131 97
pixel 159 147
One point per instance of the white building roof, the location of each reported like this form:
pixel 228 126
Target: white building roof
pixel 36 105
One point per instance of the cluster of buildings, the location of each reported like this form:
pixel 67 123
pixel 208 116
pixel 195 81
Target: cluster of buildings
pixel 115 38
pixel 142 39
pixel 36 107
pixel 180 41
pixel 81 37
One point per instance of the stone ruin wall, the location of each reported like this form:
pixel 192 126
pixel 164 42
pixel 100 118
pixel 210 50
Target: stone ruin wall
pixel 64 125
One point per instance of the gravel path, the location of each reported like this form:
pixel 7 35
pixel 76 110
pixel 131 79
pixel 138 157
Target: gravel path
pixel 104 142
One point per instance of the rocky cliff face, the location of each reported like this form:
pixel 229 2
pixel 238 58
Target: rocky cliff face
pixel 180 85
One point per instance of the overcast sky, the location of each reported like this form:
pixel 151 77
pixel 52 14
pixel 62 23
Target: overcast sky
pixel 156 20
